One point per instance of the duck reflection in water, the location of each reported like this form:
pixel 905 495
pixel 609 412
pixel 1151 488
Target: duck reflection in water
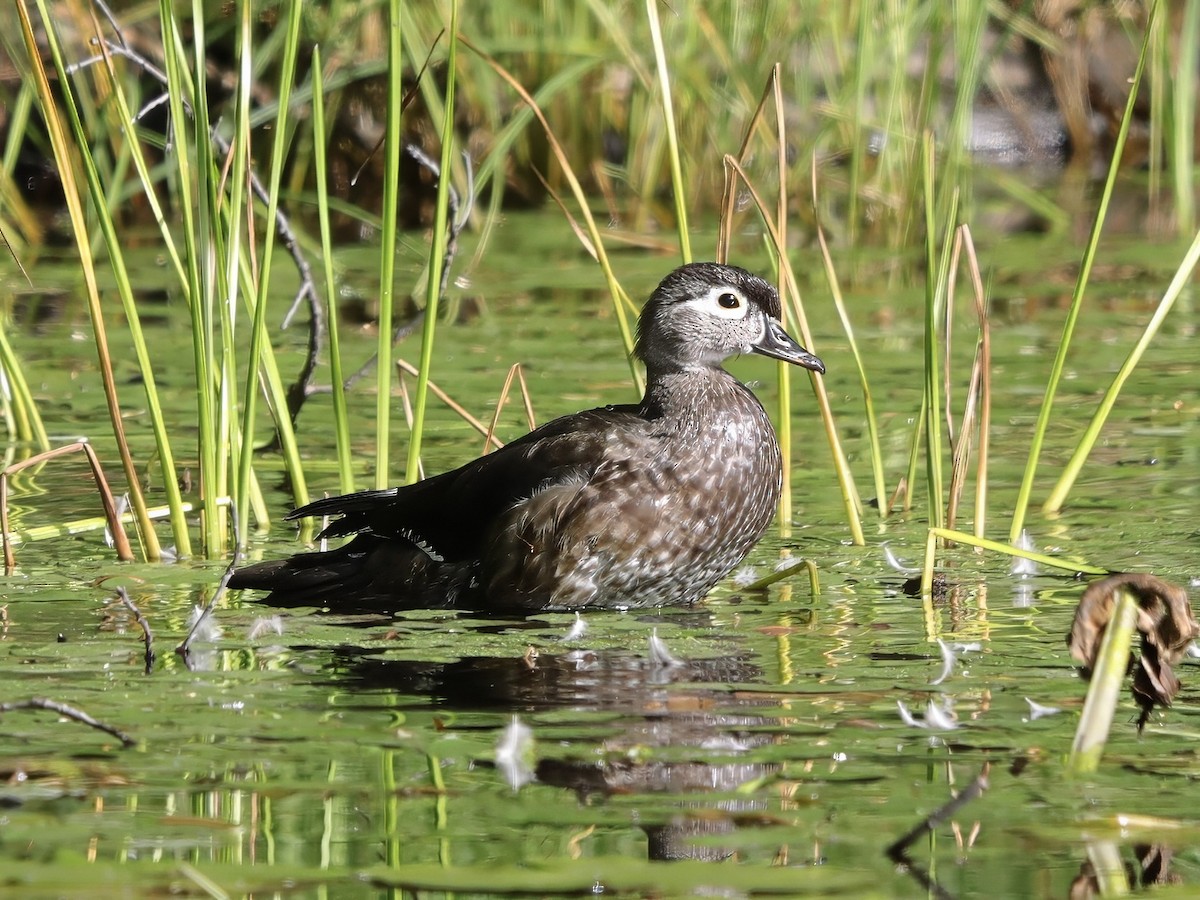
pixel 663 707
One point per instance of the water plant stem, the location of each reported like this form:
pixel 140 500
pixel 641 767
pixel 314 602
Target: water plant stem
pixel 615 291
pixel 437 251
pixel 341 419
pixel 679 189
pixel 74 200
pixel 392 149
pixel 259 322
pixel 1182 279
pixel 1112 662
pixel 961 537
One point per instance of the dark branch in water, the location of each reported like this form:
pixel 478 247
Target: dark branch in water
pixel 69 712
pixel 899 850
pixel 123 595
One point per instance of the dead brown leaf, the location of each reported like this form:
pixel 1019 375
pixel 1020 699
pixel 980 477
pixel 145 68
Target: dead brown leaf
pixel 1166 625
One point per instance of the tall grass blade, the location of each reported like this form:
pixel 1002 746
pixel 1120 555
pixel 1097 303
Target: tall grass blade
pixel 1063 564
pixel 27 425
pixel 392 147
pixel 408 368
pixel 341 426
pixel 839 304
pixel 782 369
pixel 985 388
pixel 192 200
pixel 1183 118
pixel 614 288
pixel 437 250
pixel 850 498
pixel 1085 271
pixel 937 276
pixel 258 326
pixel 679 189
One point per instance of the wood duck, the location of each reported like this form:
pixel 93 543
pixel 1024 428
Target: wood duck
pixel 619 507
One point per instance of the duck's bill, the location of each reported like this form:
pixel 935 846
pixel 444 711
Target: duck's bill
pixel 778 344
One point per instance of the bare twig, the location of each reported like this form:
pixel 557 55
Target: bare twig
pixel 898 850
pixel 453 404
pixel 69 712
pixel 123 595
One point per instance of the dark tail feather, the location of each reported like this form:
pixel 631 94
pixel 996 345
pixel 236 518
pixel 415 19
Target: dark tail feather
pixel 362 501
pixel 365 574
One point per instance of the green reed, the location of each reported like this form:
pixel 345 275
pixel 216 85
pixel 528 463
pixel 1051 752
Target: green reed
pixel 260 298
pixel 340 415
pixel 387 258
pixel 437 249
pixel 1108 673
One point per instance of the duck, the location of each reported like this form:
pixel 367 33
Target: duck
pixel 622 507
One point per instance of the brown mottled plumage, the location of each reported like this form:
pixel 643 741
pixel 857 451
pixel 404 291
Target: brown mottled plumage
pixel 619 507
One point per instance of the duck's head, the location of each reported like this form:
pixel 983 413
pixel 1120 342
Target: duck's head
pixel 703 313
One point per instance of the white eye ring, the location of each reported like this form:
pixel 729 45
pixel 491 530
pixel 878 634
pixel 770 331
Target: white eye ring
pixel 723 302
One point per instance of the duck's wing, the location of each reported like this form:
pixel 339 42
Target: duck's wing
pixel 450 514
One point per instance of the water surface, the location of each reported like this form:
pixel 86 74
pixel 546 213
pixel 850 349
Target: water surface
pixel 355 756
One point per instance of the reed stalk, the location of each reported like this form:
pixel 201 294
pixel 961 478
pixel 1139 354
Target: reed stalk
pixel 392 147
pixel 937 273
pixel 1063 564
pixel 26 422
pixel 1100 705
pixel 437 250
pixel 258 326
pixel 793 304
pixel 341 420
pixel 985 387
pixel 190 184
pixel 616 293
pixel 679 187
pixel 1179 283
pixel 1183 117
pixel 839 304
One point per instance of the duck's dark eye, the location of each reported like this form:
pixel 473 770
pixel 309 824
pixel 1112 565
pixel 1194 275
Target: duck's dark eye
pixel 729 301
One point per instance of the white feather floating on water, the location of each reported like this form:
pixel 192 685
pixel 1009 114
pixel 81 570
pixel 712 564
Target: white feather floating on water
pixel 660 656
pixel 950 654
pixel 937 718
pixel 1037 711
pixel 896 564
pixel 1021 566
pixel 577 630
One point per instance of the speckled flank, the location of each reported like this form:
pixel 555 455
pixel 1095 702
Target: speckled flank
pixel 619 507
